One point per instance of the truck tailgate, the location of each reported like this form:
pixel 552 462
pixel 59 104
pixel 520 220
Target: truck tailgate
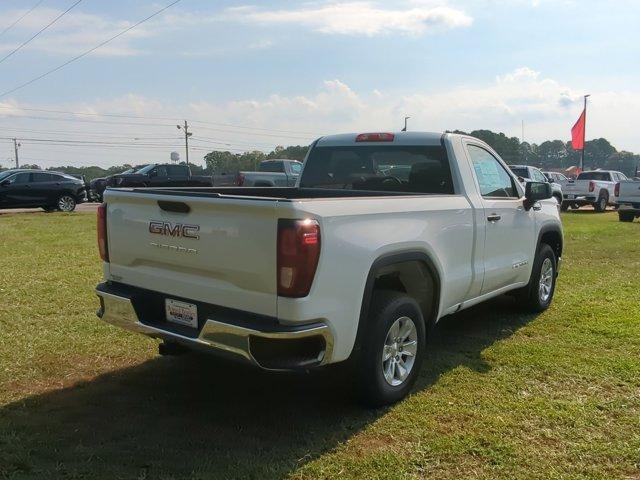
pixel 630 192
pixel 221 251
pixel 576 187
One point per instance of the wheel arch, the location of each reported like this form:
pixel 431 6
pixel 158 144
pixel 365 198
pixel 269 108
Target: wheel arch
pixel 386 273
pixel 552 236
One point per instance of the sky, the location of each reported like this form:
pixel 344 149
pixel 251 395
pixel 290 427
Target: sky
pixel 250 76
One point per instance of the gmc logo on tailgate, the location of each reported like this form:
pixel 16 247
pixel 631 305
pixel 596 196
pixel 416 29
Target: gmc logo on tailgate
pixel 174 229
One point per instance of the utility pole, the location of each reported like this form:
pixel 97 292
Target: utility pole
pixel 405 123
pixel 584 134
pixel 15 147
pixel 187 134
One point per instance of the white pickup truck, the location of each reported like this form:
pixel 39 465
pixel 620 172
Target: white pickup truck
pixel 628 198
pixel 351 264
pixel 595 188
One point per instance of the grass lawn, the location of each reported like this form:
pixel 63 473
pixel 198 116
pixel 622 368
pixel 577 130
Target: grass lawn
pixel 502 394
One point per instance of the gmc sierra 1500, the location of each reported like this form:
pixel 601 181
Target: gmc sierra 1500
pixel 354 263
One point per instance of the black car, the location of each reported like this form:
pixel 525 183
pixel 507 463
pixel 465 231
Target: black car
pixel 38 188
pixel 159 175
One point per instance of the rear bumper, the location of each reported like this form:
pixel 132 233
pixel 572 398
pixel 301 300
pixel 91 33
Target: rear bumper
pixel 277 347
pixel 579 199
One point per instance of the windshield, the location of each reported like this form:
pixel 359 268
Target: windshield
pixel 6 173
pixel 520 171
pixel 601 176
pixel 411 169
pixel 144 169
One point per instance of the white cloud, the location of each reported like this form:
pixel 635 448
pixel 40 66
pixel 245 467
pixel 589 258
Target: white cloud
pixel 548 108
pixel 357 18
pixel 73 33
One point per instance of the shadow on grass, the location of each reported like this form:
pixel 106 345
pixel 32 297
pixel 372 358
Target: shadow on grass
pixel 199 417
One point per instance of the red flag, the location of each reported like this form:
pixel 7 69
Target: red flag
pixel 577 132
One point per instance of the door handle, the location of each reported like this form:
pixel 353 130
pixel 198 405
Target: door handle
pixel 494 217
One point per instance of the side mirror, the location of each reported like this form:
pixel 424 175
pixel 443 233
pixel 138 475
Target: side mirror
pixel 536 191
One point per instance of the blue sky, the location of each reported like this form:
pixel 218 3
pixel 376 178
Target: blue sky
pixel 255 75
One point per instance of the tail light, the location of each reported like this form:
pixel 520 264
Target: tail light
pixel 616 189
pixel 592 186
pixel 240 179
pixel 102 232
pixel 298 254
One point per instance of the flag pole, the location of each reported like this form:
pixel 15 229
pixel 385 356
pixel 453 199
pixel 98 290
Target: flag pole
pixel 584 133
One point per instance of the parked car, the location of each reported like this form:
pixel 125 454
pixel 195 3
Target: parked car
pixel 627 194
pixel 595 188
pixel 350 264
pixel 22 188
pixel 527 173
pixel 556 177
pixel 272 173
pixel 159 175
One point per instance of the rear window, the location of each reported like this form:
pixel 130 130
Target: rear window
pixel 275 167
pixel 599 176
pixel 410 169
pixel 520 172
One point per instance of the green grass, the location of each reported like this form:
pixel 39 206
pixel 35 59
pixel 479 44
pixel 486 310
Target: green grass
pixel 502 394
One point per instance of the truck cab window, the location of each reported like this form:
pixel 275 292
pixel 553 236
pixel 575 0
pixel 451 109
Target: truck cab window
pixel 493 179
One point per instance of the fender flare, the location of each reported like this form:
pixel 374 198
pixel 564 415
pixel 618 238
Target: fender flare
pixel 550 228
pixel 390 259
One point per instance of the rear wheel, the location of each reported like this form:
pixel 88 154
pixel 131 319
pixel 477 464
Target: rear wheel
pixel 601 204
pixel 66 203
pixel 537 296
pixel 392 350
pixel 626 216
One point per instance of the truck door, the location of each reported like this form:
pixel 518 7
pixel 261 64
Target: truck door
pixel 509 229
pixel 177 175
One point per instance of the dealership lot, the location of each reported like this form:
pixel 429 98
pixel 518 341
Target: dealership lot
pixel 501 393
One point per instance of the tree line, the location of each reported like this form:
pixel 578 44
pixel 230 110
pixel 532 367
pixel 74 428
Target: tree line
pixel 551 154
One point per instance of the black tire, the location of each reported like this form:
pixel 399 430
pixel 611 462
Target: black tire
pixel 626 216
pixel 387 307
pixel 564 207
pixel 601 204
pixel 531 297
pixel 66 203
pixel 575 206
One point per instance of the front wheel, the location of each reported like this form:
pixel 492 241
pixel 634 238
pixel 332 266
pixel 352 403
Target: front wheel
pixel 392 351
pixel 66 203
pixel 537 296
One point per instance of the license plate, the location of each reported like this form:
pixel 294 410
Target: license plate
pixel 181 312
pixel 570 196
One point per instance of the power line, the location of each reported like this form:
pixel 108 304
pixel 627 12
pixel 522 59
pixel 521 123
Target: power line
pixel 20 18
pixel 142 117
pixel 19 47
pixel 84 54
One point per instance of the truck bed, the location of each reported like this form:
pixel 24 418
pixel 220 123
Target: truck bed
pixel 268 193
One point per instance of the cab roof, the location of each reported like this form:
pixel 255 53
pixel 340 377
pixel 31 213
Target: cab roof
pixel 399 138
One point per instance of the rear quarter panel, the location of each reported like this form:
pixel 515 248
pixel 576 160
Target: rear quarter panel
pixel 355 232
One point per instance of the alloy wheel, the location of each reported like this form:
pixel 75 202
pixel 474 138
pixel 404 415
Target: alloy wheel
pixel 546 280
pixel 399 351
